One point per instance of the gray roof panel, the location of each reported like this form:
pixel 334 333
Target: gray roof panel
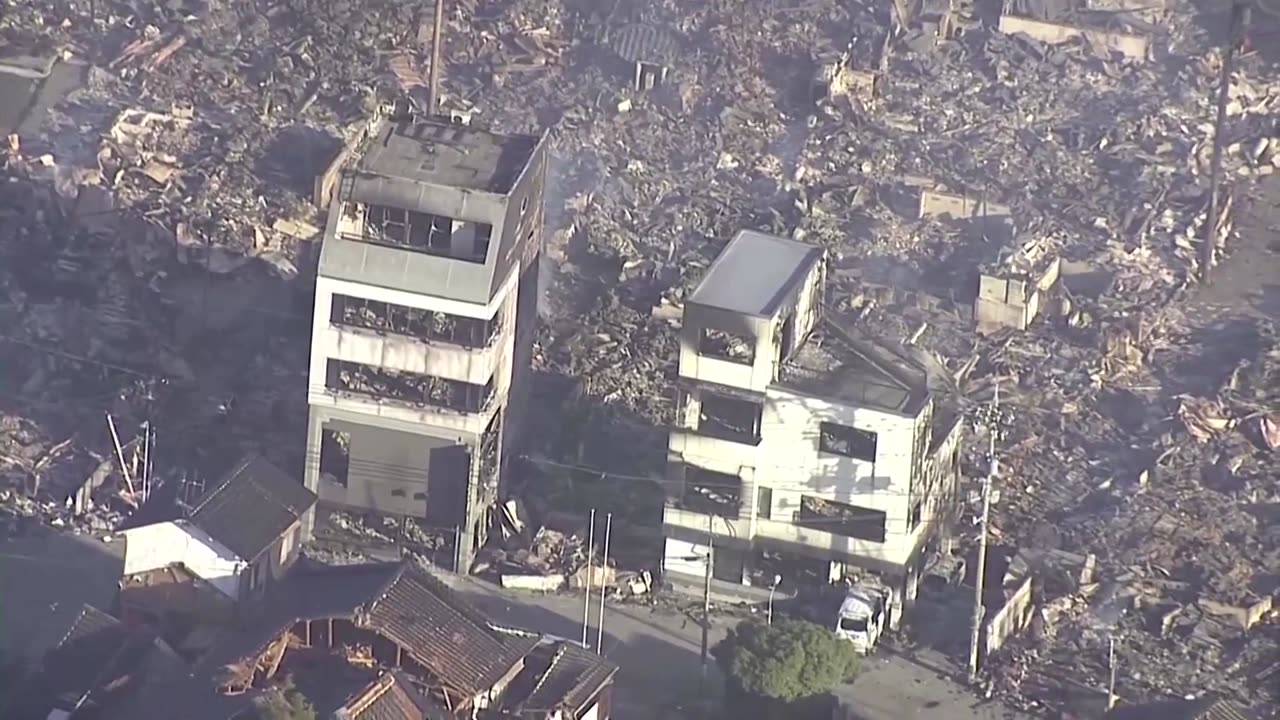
pixel 754 273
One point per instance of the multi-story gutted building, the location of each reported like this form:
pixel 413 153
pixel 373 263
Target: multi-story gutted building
pixel 795 436
pixel 426 301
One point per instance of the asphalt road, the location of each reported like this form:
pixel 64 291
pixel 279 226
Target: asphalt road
pixel 659 654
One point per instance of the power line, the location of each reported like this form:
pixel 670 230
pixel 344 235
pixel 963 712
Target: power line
pixel 79 358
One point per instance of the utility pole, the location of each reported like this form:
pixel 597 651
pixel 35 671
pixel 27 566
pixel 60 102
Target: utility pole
pixel 146 461
pixel 706 597
pixel 1239 18
pixel 437 39
pixel 604 568
pixel 979 580
pixel 1111 664
pixel 586 603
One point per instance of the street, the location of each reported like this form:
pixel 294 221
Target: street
pixel 659 653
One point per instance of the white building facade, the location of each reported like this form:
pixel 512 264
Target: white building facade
pixel 795 437
pixel 426 300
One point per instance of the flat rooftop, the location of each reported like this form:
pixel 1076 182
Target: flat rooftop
pixel 755 273
pixel 836 363
pixel 445 153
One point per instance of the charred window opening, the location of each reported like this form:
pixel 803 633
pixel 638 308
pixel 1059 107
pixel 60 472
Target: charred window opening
pixel 388 224
pixel 727 346
pixel 335 456
pixel 489 451
pixel 840 518
pixel 414 322
pixel 917 512
pixel 764 503
pixel 484 233
pixel 711 493
pixel 411 388
pixel 729 418
pixel 424 232
pixel 848 441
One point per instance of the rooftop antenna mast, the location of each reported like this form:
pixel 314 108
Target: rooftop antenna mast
pixel 437 40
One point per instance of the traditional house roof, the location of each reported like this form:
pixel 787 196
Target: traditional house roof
pixel 398 601
pixel 391 696
pixel 251 507
pixel 560 676
pixel 96 664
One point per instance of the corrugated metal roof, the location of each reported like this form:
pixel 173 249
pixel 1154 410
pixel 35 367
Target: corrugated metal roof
pixel 639 42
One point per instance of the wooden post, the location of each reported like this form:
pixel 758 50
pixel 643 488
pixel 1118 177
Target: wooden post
pixel 124 469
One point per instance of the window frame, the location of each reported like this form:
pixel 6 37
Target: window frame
pixel 856 449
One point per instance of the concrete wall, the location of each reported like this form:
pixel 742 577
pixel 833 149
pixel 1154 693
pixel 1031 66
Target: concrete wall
pixel 788 462
pixel 938 203
pixel 398 352
pixel 1009 620
pixel 803 301
pixel 793 466
pixel 1013 301
pixel 156 546
pixel 708 368
pixel 1134 47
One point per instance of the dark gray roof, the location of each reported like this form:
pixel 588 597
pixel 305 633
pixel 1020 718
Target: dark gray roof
pixel 838 362
pixel 396 600
pixel 251 507
pixel 434 152
pixel 46 580
pixel 95 665
pixel 755 273
pixel 561 675
pixel 393 697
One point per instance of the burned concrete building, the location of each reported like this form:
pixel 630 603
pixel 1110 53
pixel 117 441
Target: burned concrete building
pixel 425 303
pixel 796 436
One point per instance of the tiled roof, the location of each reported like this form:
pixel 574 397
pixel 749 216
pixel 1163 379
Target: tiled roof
pixel 392 697
pixel 443 633
pixel 399 601
pixel 1222 710
pixel 251 507
pixel 562 676
pixel 85 668
pixel 1210 707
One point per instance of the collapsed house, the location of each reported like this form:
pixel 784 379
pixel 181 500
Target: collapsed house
pixel 383 640
pixel 1014 289
pixel 425 304
pixel 647 50
pixel 96 664
pixel 795 435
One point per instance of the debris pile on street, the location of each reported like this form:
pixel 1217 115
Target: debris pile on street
pixel 156 236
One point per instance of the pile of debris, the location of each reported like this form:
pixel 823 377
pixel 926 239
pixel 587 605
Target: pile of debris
pixel 676 123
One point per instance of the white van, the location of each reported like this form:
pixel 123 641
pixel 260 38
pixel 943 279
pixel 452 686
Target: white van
pixel 863 616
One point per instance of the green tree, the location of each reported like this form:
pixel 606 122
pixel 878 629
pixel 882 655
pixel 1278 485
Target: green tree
pixel 788 661
pixel 284 702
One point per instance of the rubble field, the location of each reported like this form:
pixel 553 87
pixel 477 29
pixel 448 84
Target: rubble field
pixel 157 236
